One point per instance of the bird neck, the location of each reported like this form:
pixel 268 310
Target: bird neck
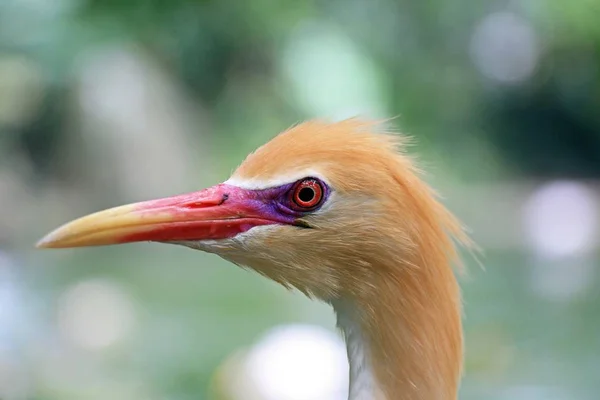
pixel 363 384
pixel 404 341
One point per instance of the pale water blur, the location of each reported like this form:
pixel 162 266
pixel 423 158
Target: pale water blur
pixel 104 102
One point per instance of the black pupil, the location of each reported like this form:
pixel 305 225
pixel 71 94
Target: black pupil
pixel 306 194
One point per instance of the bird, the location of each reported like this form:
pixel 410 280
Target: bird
pixel 341 212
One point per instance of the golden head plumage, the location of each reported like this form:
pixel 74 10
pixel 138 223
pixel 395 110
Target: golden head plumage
pixel 339 212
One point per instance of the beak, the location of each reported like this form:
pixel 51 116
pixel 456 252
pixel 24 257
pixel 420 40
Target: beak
pixel 220 212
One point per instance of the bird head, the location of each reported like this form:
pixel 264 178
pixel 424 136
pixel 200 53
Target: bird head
pixel 314 209
pixel 337 211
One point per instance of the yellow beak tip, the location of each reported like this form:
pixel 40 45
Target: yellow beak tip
pixel 45 243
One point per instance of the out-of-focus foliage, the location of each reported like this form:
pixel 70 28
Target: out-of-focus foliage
pixel 109 101
pixel 426 57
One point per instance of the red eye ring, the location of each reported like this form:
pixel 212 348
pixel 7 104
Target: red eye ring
pixel 308 194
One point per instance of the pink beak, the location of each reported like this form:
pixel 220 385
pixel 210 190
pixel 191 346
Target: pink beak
pixel 219 212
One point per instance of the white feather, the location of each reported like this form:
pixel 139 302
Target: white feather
pixel 363 385
pixel 259 184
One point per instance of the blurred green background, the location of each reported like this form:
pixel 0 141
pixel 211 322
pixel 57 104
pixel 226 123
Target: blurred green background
pixel 104 102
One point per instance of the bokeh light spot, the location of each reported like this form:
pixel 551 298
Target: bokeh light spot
pixel 95 314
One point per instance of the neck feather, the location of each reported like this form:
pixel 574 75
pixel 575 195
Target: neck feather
pixel 404 341
pixel 363 384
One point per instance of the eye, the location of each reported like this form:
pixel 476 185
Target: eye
pixel 308 194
